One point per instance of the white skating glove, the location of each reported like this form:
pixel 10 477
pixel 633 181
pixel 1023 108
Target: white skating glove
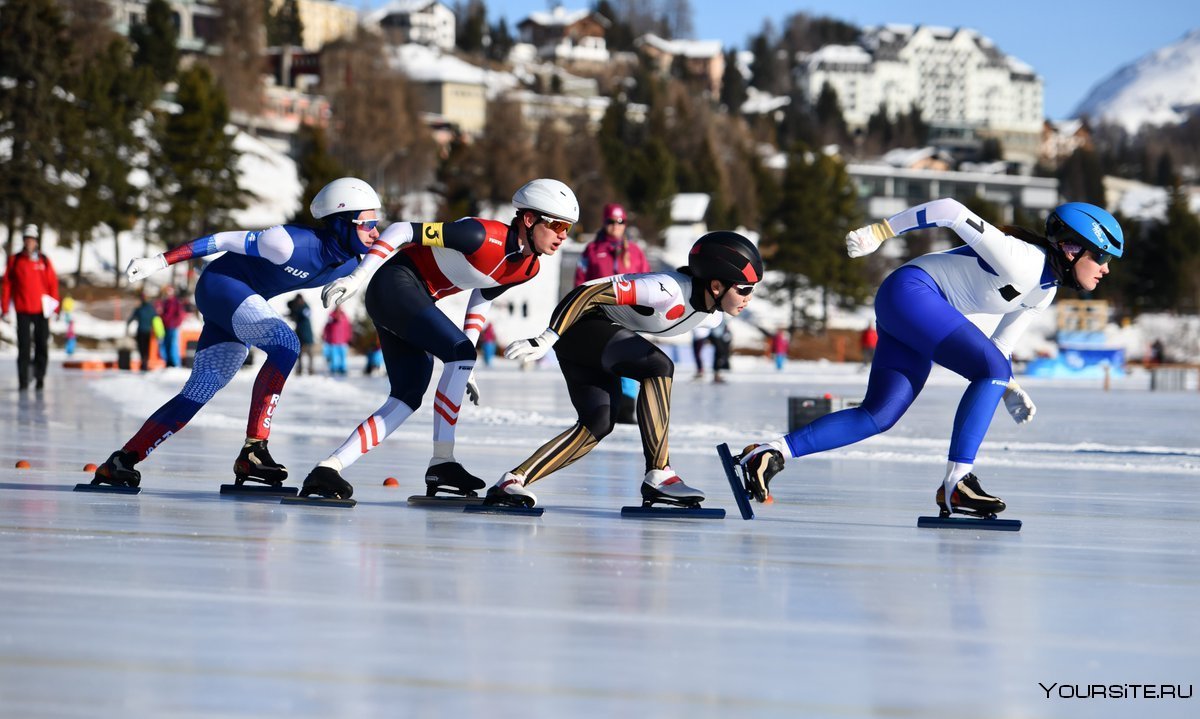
pixel 472 389
pixel 866 240
pixel 1018 403
pixel 533 349
pixel 341 289
pixel 143 267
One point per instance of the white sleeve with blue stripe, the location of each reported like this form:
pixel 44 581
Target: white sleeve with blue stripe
pixel 1005 255
pixel 273 244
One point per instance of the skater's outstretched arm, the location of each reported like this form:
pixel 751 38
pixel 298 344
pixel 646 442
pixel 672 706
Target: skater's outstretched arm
pixel 273 244
pixel 1006 256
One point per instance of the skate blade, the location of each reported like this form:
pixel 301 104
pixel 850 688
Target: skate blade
pixel 318 502
pixel 673 512
pixel 263 490
pixel 995 525
pixel 424 500
pixel 735 483
pixel 503 509
pixel 106 489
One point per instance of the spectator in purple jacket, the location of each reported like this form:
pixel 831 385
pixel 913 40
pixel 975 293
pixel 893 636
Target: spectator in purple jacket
pixel 610 253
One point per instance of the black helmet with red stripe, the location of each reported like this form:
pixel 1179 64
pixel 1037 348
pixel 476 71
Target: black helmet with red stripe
pixel 725 256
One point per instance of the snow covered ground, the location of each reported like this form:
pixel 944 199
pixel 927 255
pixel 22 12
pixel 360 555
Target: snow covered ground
pixel 178 603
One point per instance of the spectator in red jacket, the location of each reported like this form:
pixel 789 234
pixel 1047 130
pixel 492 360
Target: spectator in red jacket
pixel 610 253
pixel 173 311
pixel 30 285
pixel 337 335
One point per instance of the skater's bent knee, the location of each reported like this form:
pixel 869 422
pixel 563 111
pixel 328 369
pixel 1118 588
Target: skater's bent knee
pixel 656 364
pixel 462 351
pixel 600 423
pixel 409 397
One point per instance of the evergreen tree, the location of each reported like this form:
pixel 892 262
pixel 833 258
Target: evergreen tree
pixel 502 41
pixel 1081 179
pixel 196 172
pixel 34 52
pixel 1164 171
pixel 613 138
pixel 156 42
pixel 112 97
pixel 283 24
pixel 992 150
pixel 764 69
pixel 828 113
pixel 652 183
pixel 1177 280
pixel 472 24
pixel 805 238
pixel 316 167
pixel 620 35
pixel 733 85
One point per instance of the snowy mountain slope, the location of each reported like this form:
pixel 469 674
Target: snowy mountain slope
pixel 1159 88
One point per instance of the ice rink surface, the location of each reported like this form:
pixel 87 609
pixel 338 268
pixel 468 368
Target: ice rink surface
pixel 181 603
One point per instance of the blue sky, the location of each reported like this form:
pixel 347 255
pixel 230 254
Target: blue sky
pixel 1071 45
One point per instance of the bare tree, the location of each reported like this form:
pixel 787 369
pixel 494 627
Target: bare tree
pixel 238 68
pixel 376 131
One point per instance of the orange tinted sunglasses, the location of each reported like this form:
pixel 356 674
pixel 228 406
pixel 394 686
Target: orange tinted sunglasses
pixel 556 226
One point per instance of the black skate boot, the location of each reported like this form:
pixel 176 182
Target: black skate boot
pixel 663 486
pixel 118 470
pixel 450 477
pixel 327 485
pixel 969 497
pixel 254 464
pixel 759 463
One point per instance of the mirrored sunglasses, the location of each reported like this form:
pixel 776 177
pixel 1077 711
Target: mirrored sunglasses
pixel 1101 258
pixel 367 225
pixel 614 221
pixel 556 226
pixel 743 290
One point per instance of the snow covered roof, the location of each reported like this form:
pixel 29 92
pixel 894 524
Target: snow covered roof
pixel 689 207
pixel 400 7
pixel 427 64
pixel 561 17
pixel 760 103
pixel 840 55
pixel 683 48
pixel 1066 127
pixel 908 156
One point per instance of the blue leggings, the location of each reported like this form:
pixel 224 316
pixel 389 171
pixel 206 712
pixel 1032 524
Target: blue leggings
pixel 917 327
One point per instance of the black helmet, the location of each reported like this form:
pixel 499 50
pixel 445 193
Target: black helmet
pixel 725 256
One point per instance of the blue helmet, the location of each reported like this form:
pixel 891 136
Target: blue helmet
pixel 1079 223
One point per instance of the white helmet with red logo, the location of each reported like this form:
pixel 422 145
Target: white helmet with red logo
pixel 346 194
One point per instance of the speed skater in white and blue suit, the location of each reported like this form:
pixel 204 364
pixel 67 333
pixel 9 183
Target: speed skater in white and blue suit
pixel 921 309
pixel 232 296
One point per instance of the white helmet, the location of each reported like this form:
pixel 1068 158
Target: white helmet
pixel 30 231
pixel 549 197
pixel 345 194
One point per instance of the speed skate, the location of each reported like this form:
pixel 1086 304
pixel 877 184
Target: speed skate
pixel 968 498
